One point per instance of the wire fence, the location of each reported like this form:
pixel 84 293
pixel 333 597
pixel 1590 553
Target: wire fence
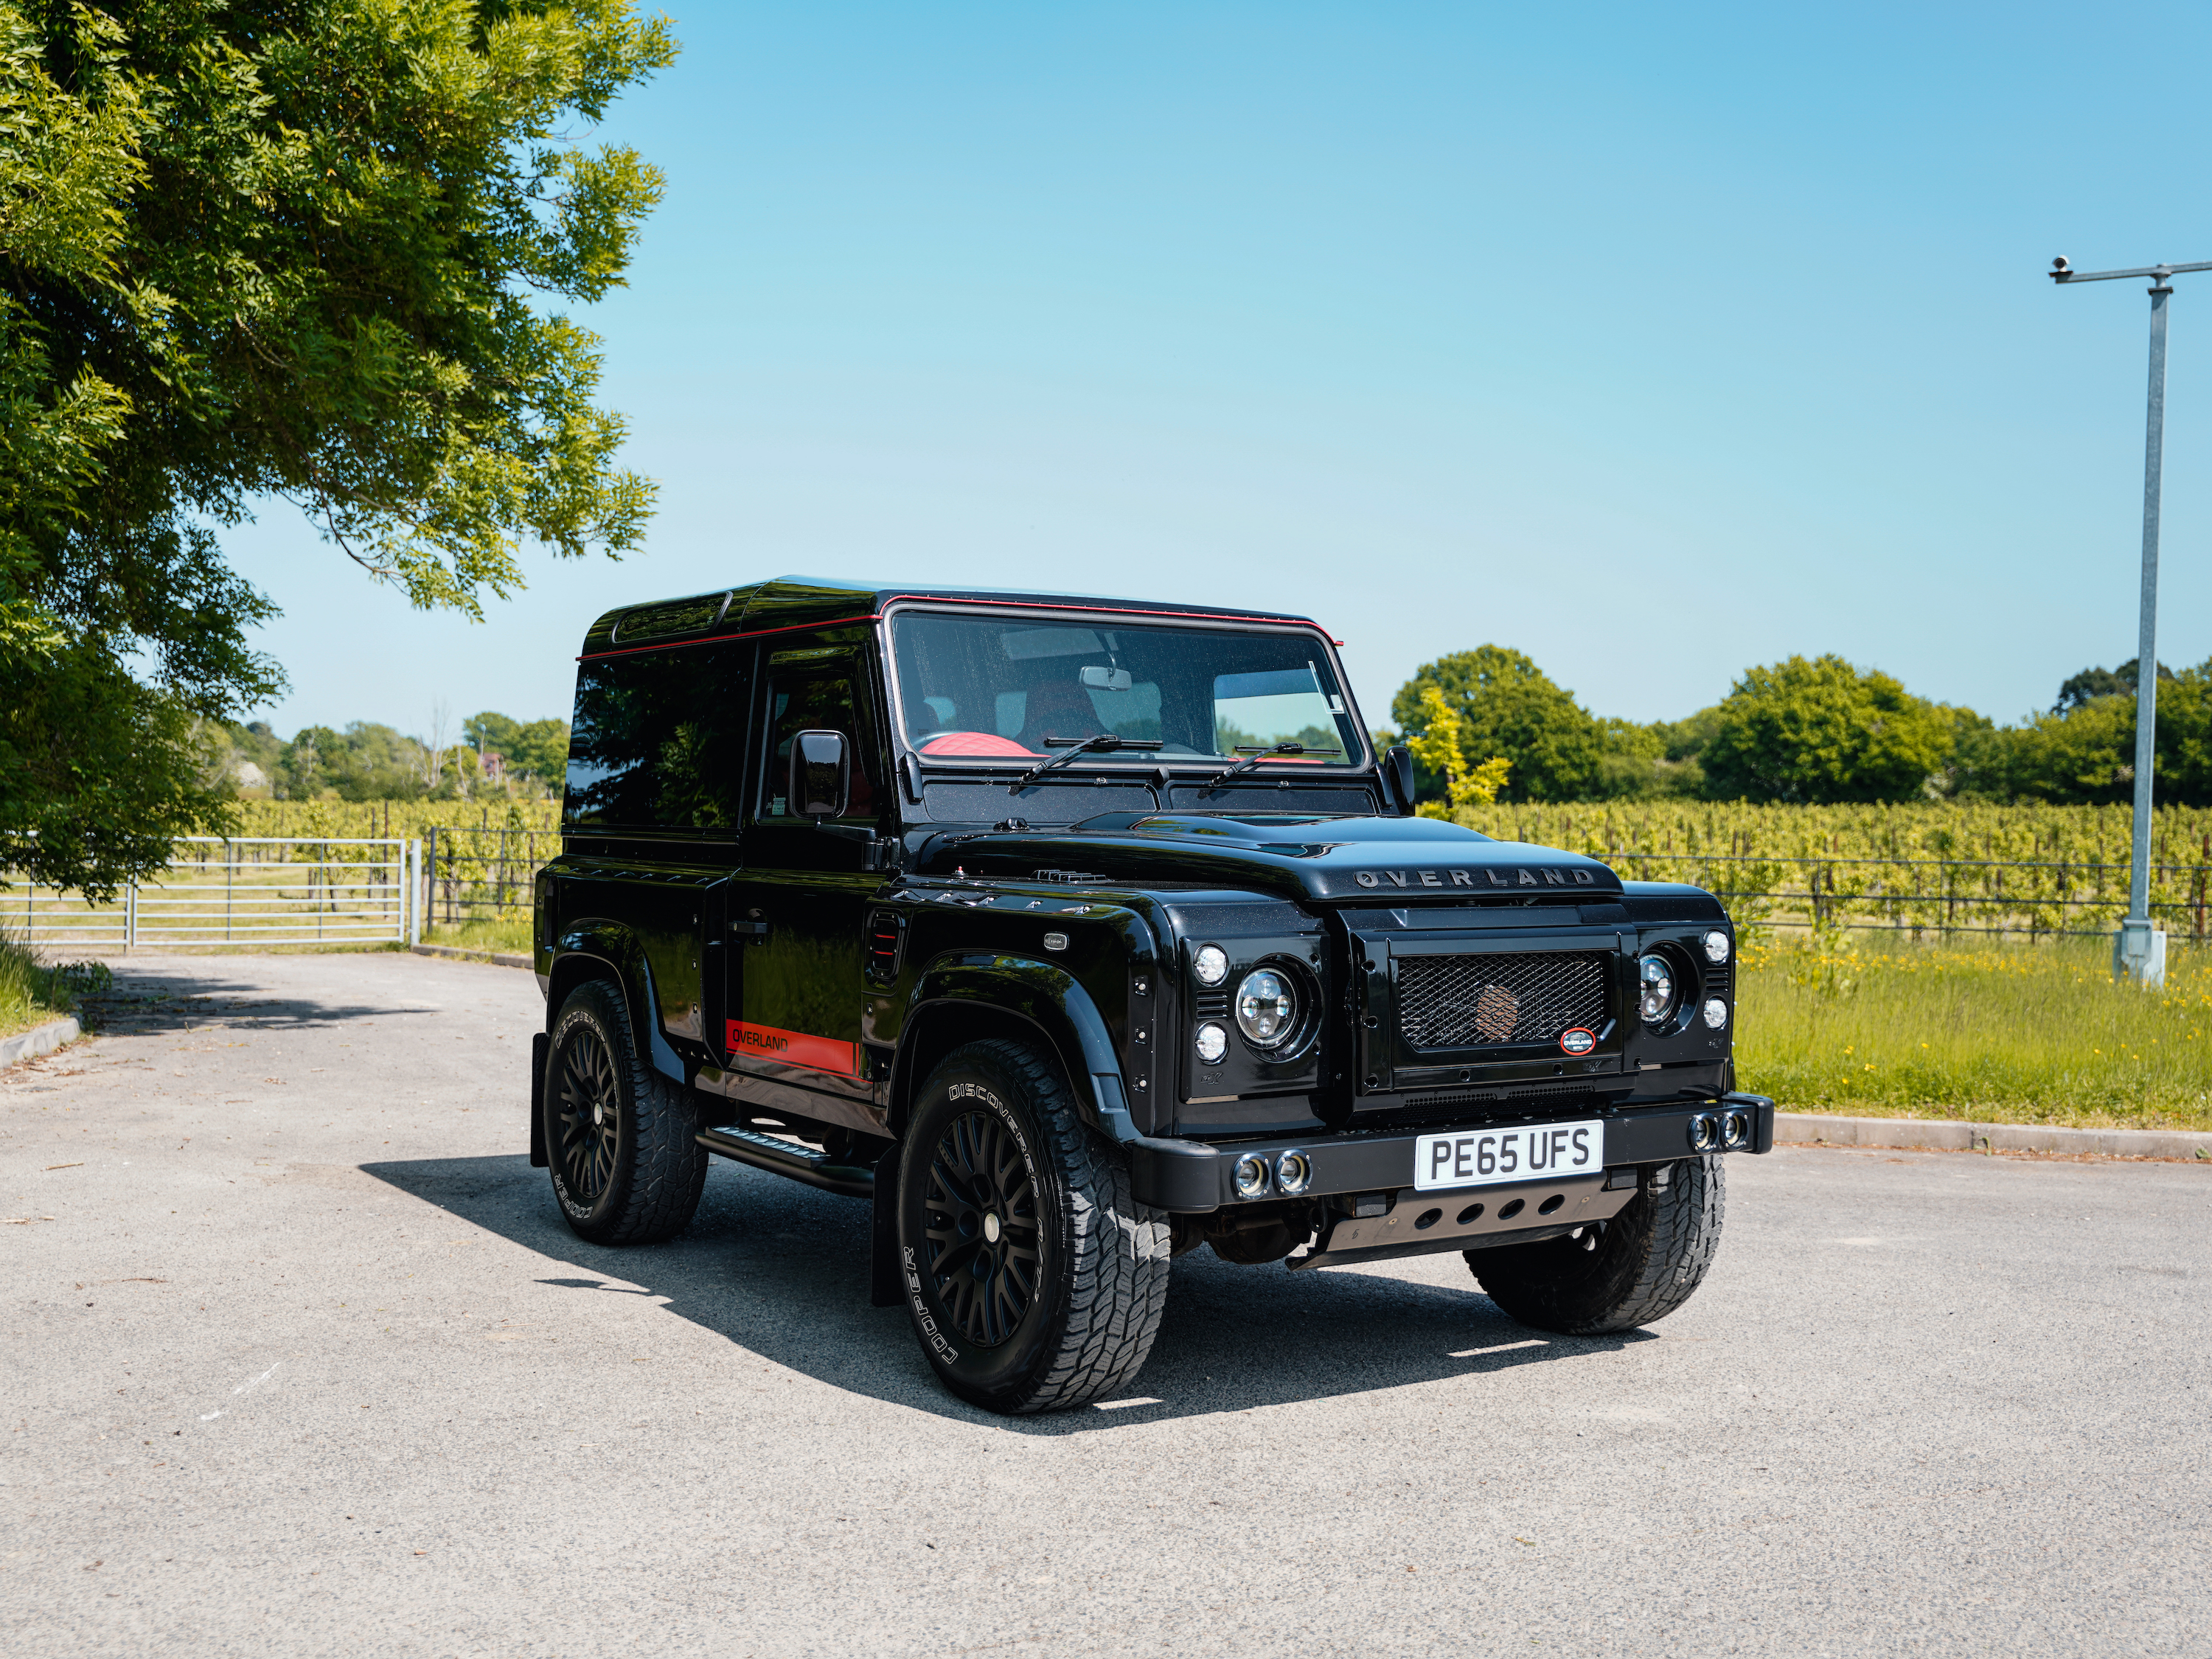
pixel 268 889
pixel 483 872
pixel 2052 898
pixel 249 890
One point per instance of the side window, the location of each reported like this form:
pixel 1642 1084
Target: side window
pixel 659 739
pixel 817 701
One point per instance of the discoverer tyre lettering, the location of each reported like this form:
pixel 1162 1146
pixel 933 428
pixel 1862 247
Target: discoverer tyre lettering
pixel 1034 1280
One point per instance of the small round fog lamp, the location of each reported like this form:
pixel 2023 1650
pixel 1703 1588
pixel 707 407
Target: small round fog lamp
pixel 1251 1175
pixel 1704 1133
pixel 1293 1173
pixel 1716 1013
pixel 1210 964
pixel 1735 1130
pixel 1716 946
pixel 1213 1043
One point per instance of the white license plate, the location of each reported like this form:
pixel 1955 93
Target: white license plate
pixel 1528 1152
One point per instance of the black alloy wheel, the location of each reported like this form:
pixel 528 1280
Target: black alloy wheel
pixel 587 1115
pixel 982 1207
pixel 621 1139
pixel 1034 1280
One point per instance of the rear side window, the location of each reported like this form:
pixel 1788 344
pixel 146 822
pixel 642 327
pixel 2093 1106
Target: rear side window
pixel 658 740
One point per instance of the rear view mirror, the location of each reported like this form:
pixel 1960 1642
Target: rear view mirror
pixel 1106 679
pixel 821 774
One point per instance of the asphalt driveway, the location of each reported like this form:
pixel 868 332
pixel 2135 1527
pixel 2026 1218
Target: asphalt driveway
pixel 300 1359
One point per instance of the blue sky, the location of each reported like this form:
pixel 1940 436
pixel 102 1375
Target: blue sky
pixel 1654 341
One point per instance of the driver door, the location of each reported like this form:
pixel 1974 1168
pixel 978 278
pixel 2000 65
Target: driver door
pixel 797 909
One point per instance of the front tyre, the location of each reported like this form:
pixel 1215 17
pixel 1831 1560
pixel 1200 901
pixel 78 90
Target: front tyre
pixel 623 1140
pixel 1644 1262
pixel 1034 1280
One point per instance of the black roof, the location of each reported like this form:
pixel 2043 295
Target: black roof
pixel 794 602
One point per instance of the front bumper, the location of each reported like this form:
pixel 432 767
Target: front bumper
pixel 1190 1177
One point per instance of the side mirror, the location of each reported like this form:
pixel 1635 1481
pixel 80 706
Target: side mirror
pixel 1397 766
pixel 821 775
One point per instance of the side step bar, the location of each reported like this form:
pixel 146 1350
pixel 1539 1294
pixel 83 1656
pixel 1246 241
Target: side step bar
pixel 786 1157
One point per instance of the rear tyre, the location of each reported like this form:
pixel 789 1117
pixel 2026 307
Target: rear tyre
pixel 622 1139
pixel 1646 1262
pixel 1034 1280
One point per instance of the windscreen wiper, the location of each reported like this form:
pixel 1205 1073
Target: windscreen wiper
pixel 1255 758
pixel 1101 743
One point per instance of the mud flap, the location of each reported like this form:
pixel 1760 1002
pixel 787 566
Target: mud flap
pixel 884 1288
pixel 540 1051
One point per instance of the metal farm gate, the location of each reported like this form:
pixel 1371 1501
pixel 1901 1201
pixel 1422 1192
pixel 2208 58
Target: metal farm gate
pixel 241 890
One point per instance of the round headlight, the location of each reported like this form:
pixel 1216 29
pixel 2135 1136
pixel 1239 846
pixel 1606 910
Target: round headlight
pixel 1655 989
pixel 1210 964
pixel 1266 1007
pixel 1213 1043
pixel 1716 1013
pixel 1716 946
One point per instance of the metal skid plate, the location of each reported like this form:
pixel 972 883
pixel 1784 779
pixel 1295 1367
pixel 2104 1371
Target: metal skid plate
pixel 1466 1220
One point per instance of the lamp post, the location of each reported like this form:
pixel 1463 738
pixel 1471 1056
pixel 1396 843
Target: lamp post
pixel 2140 950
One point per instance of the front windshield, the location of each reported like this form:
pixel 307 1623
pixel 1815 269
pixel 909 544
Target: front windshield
pixel 979 688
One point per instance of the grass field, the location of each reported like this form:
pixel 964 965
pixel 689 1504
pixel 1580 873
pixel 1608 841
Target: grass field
pixel 2017 1034
pixel 511 935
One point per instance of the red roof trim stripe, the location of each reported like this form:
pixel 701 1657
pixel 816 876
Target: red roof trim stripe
pixel 1117 610
pixel 717 639
pixel 933 598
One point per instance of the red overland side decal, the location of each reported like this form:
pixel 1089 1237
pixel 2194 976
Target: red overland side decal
pixel 817 1054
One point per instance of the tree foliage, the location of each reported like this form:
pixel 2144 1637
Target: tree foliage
pixel 1822 731
pixel 535 749
pixel 309 252
pixel 1510 708
pixel 1441 747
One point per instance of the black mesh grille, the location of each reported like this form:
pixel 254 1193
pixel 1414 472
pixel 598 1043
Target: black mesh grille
pixel 1483 1001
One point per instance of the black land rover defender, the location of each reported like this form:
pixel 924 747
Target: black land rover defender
pixel 1072 934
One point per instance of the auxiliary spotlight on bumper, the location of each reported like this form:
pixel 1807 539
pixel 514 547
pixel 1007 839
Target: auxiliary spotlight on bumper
pixel 1705 1133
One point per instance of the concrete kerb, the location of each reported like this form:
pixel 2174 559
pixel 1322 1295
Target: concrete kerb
pixel 498 958
pixel 1811 1128
pixel 1797 1129
pixel 40 1039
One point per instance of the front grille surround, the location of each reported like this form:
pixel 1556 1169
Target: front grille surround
pixel 1500 999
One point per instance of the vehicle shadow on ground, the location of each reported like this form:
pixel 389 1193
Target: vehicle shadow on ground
pixel 156 1001
pixel 781 1270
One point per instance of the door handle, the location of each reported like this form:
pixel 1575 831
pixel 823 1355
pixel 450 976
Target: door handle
pixel 750 929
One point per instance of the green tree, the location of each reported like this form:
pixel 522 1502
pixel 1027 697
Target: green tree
pixel 301 251
pixel 1510 710
pixel 1822 730
pixel 533 749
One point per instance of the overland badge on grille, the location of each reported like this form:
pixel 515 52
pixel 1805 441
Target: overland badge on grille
pixel 1577 1041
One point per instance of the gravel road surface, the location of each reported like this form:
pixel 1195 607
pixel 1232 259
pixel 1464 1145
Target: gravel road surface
pixel 300 1359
